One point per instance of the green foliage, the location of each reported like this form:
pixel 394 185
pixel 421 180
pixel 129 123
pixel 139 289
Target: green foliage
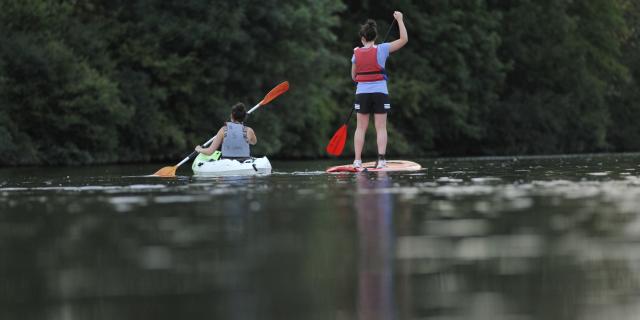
pixel 624 131
pixel 105 81
pixel 565 56
pixel 453 75
pixel 56 105
pixel 148 80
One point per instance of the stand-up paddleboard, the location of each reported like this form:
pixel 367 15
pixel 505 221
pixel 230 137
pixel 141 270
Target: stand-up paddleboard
pixel 392 165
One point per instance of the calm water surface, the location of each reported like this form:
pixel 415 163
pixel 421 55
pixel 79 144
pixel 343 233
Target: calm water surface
pixel 500 238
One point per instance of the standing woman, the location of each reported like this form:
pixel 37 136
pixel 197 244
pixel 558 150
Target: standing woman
pixel 372 96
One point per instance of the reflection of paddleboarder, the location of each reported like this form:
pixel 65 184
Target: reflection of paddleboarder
pixel 372 96
pixel 375 238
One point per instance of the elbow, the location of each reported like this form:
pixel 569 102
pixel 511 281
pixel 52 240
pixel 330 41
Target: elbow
pixel 404 42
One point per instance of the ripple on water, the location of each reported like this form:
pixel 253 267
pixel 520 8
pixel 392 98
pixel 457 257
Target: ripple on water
pixel 180 199
pixel 127 203
pixel 472 248
pixel 456 228
pixel 300 173
pixel 486 180
pixel 599 174
pixel 449 180
pixel 462 190
pixel 139 187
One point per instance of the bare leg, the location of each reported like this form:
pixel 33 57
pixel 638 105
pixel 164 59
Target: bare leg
pixel 380 120
pixel 358 136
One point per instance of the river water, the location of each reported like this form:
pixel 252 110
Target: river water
pixel 474 238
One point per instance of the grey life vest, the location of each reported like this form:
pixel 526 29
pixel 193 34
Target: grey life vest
pixel 235 143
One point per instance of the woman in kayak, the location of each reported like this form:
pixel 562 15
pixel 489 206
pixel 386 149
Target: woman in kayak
pixel 234 137
pixel 372 96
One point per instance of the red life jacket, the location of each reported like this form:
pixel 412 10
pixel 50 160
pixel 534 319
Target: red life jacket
pixel 367 67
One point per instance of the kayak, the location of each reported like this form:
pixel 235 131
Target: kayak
pixel 392 166
pixel 205 166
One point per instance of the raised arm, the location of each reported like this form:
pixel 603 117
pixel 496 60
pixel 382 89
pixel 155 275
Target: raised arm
pixel 404 38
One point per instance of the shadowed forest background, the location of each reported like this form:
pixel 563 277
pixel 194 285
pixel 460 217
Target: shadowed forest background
pixel 100 81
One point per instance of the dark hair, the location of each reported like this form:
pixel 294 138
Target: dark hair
pixel 369 30
pixel 238 112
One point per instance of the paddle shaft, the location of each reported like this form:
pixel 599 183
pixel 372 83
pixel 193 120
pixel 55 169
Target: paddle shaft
pixel 349 117
pixel 206 144
pixel 388 31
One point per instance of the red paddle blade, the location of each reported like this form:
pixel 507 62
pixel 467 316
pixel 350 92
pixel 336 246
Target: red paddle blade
pixel 336 145
pixel 275 92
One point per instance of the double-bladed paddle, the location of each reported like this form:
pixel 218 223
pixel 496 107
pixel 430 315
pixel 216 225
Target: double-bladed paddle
pixel 274 93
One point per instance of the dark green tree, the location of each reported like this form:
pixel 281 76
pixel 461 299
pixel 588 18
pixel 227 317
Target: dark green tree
pixel 104 81
pixel 95 81
pixel 624 131
pixel 182 64
pixel 564 55
pixel 56 107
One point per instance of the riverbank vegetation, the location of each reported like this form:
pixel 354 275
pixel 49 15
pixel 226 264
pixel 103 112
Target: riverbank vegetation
pixel 100 81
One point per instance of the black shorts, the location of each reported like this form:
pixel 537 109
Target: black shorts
pixel 372 103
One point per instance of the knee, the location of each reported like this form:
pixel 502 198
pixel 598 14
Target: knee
pixel 381 127
pixel 381 123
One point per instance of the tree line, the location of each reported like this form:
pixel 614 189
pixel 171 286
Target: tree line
pixel 96 81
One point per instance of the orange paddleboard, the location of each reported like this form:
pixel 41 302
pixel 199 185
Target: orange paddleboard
pixel 392 165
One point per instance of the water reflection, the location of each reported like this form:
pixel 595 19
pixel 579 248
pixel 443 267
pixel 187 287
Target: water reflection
pixel 535 250
pixel 375 237
pixel 539 238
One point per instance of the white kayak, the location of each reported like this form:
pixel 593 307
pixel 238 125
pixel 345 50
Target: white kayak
pixel 206 166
